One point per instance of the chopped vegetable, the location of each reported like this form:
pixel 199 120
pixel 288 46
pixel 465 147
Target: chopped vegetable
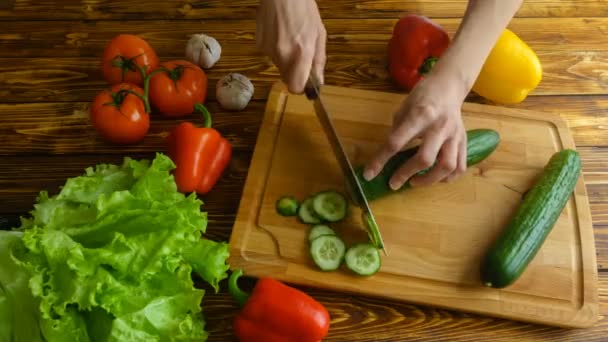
pixel 415 46
pixel 511 71
pixel 201 154
pixel 203 50
pixel 119 115
pixel 126 59
pixel 363 259
pixel 306 212
pixel 277 312
pixel 287 206
pixel 177 87
pixel 234 91
pixel 320 230
pixel 111 256
pixel 330 205
pixel 327 251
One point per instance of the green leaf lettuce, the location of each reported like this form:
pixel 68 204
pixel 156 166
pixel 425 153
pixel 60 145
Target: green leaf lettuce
pixel 111 256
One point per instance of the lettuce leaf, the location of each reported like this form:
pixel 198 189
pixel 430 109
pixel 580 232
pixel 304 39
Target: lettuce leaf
pixel 111 256
pixel 18 307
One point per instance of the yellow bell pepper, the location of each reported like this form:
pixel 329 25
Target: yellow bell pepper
pixel 511 71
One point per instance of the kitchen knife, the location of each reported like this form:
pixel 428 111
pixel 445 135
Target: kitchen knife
pixel 313 93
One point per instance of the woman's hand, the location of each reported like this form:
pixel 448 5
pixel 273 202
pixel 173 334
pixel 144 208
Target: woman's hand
pixel 432 109
pixel 292 34
pixel 430 112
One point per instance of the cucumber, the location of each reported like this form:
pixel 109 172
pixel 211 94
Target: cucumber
pixel 330 205
pixel 363 259
pixel 287 206
pixel 327 251
pixel 480 144
pixel 320 230
pixel 534 219
pixel 306 212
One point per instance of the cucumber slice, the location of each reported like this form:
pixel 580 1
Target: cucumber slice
pixel 363 259
pixel 330 205
pixel 287 206
pixel 327 251
pixel 320 230
pixel 306 212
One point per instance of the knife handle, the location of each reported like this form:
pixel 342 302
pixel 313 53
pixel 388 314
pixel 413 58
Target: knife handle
pixel 312 88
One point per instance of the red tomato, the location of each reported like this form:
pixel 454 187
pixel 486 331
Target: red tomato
pixel 119 116
pixel 175 92
pixel 123 57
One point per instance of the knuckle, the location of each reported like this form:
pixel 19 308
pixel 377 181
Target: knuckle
pixel 425 110
pixel 447 164
pixel 294 87
pixel 393 144
pixel 283 51
pixel 425 160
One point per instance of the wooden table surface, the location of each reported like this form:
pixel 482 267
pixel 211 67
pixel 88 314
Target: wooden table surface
pixel 49 74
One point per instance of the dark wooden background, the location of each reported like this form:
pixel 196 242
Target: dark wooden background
pixel 49 73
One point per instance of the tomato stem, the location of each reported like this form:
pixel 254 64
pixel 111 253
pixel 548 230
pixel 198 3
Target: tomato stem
pixel 206 115
pixel 146 78
pixel 125 64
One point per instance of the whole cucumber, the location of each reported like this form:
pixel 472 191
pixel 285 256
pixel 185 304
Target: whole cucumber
pixel 534 219
pixel 480 144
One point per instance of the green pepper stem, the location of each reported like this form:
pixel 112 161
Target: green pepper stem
pixel 206 115
pixel 428 64
pixel 239 295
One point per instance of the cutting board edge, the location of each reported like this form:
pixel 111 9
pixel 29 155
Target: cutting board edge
pixel 585 317
pixel 251 198
pixel 552 116
pixel 263 266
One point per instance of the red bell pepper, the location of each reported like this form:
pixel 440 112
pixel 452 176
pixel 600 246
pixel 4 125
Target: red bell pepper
pixel 200 154
pixel 277 312
pixel 414 48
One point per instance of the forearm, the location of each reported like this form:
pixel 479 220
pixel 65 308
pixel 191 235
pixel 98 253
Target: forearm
pixel 483 22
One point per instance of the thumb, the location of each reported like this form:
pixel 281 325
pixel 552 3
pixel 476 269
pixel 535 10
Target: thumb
pixel 320 57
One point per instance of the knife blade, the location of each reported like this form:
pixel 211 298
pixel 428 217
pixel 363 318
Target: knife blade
pixel 355 191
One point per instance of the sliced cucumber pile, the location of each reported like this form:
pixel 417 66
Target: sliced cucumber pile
pixel 363 259
pixel 287 206
pixel 307 214
pixel 320 230
pixel 325 206
pixel 327 249
pixel 328 252
pixel 330 206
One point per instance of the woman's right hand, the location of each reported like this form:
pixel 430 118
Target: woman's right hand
pixel 292 34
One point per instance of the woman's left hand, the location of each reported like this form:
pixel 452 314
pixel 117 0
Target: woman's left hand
pixel 430 112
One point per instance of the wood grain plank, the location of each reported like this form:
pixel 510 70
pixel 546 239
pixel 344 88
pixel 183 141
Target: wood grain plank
pixel 211 9
pixel 79 79
pixel 237 37
pixel 369 319
pixel 64 128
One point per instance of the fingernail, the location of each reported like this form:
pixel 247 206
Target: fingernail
pixel 395 184
pixel 368 174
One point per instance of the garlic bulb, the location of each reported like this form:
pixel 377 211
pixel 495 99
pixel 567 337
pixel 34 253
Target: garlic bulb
pixel 203 50
pixel 234 91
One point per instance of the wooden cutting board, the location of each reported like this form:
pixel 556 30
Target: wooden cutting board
pixel 435 236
